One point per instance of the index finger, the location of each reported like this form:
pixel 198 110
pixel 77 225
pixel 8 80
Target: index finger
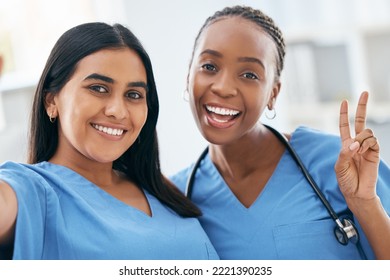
pixel 361 113
pixel 344 121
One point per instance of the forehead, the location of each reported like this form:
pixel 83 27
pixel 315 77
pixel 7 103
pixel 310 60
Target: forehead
pixel 123 61
pixel 239 35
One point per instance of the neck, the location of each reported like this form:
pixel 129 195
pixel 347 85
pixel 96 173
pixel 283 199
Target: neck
pixel 255 150
pixel 101 174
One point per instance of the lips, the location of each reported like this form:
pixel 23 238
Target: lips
pixel 221 117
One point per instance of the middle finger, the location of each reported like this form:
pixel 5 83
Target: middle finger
pixel 361 113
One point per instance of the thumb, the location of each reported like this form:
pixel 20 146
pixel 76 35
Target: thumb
pixel 354 147
pixel 346 155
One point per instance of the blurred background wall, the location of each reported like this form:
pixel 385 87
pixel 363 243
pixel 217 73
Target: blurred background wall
pixel 335 50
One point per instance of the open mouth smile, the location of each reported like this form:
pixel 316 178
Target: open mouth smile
pixel 221 117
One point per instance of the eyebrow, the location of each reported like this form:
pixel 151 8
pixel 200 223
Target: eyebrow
pixel 240 59
pixel 212 52
pixel 96 76
pixel 251 59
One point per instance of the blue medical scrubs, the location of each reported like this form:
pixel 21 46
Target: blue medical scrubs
pixel 287 220
pixel 61 215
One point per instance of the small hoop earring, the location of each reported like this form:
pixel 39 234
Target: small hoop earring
pixel 186 95
pixel 51 119
pixel 272 116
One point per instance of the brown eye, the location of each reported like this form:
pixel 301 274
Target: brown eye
pixel 209 67
pixel 98 89
pixel 250 76
pixel 133 95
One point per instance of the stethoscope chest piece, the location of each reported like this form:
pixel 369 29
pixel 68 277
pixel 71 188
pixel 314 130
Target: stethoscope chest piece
pixel 346 232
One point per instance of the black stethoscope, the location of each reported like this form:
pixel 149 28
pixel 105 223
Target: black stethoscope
pixel 345 230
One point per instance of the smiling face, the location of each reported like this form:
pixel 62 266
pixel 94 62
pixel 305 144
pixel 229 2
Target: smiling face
pixel 102 108
pixel 232 79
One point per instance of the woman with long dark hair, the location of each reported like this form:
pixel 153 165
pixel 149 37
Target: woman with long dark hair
pixel 93 188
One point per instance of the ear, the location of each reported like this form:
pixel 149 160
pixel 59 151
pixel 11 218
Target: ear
pixel 50 105
pixel 274 95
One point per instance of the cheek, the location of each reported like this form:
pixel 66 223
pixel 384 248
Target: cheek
pixel 191 82
pixel 195 79
pixel 72 125
pixel 256 105
pixel 193 90
pixel 71 103
pixel 196 87
pixel 195 96
pixel 76 113
pixel 139 116
pixel 145 116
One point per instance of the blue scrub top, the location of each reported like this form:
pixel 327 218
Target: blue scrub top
pixel 287 220
pixel 61 215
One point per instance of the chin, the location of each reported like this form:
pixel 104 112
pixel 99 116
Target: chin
pixel 106 159
pixel 216 138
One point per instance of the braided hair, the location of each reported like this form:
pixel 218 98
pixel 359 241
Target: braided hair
pixel 255 16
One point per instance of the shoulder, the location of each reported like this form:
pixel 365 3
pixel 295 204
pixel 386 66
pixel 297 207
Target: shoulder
pixel 310 138
pixel 23 170
pixel 21 176
pixel 180 178
pixel 10 169
pixel 314 133
pixel 317 149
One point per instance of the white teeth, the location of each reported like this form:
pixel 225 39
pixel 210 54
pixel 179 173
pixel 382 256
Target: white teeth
pixel 220 121
pixel 222 111
pixel 108 130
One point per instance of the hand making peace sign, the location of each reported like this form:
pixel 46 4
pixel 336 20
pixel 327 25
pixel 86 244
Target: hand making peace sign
pixel 358 162
pixel 357 174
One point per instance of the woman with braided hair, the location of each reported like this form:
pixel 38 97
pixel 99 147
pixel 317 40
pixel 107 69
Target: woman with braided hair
pixel 255 200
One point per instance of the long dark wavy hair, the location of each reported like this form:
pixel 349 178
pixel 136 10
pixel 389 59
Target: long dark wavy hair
pixel 141 161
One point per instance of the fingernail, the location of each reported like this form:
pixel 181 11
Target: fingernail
pixel 355 145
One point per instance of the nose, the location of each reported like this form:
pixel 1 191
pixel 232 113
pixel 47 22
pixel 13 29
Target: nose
pixel 116 107
pixel 224 85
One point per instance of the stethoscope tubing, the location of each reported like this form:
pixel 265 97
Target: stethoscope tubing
pixel 283 139
pixel 309 178
pixel 307 175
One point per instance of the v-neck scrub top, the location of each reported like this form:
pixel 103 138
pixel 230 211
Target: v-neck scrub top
pixel 287 220
pixel 62 215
